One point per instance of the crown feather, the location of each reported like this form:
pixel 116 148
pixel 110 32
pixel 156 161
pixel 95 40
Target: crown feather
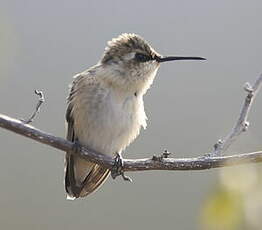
pixel 125 43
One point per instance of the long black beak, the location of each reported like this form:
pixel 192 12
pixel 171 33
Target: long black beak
pixel 175 58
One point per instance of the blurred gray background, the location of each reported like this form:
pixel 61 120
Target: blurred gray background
pixel 190 105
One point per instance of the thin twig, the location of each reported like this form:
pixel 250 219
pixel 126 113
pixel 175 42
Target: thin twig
pixel 242 123
pixel 29 131
pixel 41 100
pixel 107 161
pixel 155 163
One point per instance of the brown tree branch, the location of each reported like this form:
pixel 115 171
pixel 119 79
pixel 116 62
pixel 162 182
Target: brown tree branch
pixel 211 160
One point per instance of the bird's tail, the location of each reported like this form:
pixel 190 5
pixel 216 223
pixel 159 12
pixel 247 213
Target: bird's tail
pixel 82 177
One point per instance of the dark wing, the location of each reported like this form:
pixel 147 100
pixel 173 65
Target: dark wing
pixel 97 174
pixel 70 182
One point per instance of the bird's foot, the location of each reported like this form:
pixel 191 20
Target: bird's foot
pixel 117 169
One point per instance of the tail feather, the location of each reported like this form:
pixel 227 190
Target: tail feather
pixel 79 188
pixel 94 180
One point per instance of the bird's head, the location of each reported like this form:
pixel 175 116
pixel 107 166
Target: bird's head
pixel 132 62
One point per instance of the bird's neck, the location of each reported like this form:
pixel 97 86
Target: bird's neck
pixel 124 84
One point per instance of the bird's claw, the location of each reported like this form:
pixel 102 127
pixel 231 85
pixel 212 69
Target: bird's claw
pixel 117 169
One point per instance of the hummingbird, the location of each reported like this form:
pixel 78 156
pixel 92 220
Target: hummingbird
pixel 105 108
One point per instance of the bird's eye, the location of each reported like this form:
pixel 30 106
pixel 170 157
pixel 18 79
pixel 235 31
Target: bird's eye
pixel 142 57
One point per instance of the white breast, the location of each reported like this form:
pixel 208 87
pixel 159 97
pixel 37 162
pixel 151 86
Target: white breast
pixel 112 123
pixel 127 116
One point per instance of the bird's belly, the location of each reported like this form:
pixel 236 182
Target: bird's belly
pixel 113 125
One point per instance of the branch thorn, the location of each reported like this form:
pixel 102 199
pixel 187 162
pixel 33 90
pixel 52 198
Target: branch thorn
pixel 248 87
pixel 166 153
pixel 218 144
pixel 245 126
